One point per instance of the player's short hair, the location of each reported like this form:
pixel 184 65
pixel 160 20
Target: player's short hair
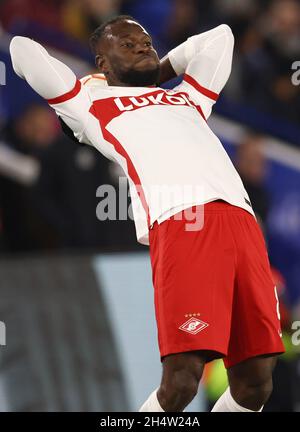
pixel 99 32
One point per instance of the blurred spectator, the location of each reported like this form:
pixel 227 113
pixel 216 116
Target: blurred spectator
pixel 183 22
pixel 81 17
pixel 281 28
pixel 154 16
pixel 267 42
pixel 57 208
pixel 252 167
pixel 283 99
pixel 23 228
pixel 46 12
pixel 66 192
pixel 239 15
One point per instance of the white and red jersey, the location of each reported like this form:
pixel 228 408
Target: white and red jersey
pixel 159 137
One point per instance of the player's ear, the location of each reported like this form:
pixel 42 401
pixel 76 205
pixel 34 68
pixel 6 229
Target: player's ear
pixel 101 63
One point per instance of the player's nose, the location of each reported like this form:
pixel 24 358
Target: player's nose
pixel 141 49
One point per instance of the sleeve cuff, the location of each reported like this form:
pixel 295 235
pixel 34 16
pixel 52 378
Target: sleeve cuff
pixel 67 96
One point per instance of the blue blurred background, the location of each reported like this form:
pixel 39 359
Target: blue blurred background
pixel 48 205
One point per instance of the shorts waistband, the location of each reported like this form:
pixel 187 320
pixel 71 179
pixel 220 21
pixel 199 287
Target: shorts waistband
pixel 220 206
pixel 217 206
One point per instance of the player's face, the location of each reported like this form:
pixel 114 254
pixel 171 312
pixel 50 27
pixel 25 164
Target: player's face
pixel 128 56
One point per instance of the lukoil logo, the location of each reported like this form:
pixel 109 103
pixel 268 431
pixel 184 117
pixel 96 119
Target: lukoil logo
pixel 156 98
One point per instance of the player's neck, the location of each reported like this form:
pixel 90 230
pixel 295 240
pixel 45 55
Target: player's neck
pixel 113 82
pixel 119 84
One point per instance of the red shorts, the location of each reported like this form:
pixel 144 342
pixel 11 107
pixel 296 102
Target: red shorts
pixel 213 287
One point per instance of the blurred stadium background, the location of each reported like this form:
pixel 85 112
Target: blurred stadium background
pixel 76 293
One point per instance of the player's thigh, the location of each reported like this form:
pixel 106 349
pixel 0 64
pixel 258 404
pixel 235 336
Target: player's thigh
pixel 253 372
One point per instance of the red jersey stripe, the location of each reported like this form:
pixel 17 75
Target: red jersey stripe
pixel 67 96
pixel 132 172
pixel 108 136
pixel 208 93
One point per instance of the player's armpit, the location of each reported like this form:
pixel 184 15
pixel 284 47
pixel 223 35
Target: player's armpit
pixel 68 132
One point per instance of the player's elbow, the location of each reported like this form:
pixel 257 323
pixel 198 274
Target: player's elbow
pixel 225 29
pixel 17 43
pixel 19 48
pixel 22 46
pixel 14 49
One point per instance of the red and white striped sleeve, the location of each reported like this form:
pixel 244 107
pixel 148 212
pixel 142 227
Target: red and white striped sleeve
pixel 54 81
pixel 205 60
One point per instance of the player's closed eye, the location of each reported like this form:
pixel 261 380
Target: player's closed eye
pixel 131 45
pixel 127 45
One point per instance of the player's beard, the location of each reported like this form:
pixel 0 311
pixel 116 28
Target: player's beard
pixel 136 78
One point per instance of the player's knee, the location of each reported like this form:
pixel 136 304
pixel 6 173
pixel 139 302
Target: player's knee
pixel 262 392
pixel 186 382
pixel 253 396
pixel 180 381
pixel 251 382
pixel 179 390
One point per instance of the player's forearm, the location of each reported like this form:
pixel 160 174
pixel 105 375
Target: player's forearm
pixel 48 76
pixel 181 56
